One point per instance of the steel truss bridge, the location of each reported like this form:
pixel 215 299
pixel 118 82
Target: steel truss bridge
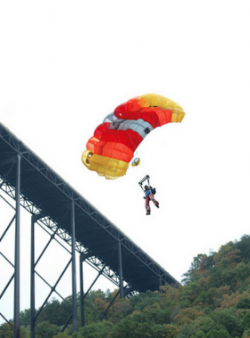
pixel 76 225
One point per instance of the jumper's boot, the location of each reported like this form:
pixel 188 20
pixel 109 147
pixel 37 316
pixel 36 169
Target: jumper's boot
pixel 148 213
pixel 156 203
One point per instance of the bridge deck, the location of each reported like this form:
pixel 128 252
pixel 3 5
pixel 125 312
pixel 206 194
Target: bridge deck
pixel 43 190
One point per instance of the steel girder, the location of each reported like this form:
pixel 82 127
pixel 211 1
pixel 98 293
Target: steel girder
pixel 39 181
pixel 11 145
pixel 94 262
pixel 86 208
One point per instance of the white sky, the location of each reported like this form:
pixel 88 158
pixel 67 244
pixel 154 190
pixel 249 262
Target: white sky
pixel 64 65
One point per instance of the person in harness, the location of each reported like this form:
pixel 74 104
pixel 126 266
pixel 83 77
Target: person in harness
pixel 149 196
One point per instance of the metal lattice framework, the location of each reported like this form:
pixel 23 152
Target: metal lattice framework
pixel 61 211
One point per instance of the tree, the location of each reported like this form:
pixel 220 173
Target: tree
pixel 216 296
pixel 6 331
pixel 158 331
pixel 100 304
pixel 185 332
pixel 218 256
pixel 139 302
pixel 246 321
pixel 25 317
pixel 164 331
pixel 95 294
pixel 244 303
pixel 201 300
pixel 231 259
pixel 132 329
pixel 204 324
pixel 244 246
pixel 187 316
pixel 192 275
pixel 199 334
pixel 160 316
pixel 246 334
pixel 55 312
pixel 171 331
pixel 229 320
pixel 189 293
pixel 108 295
pixel 121 309
pixel 218 334
pixel 61 335
pixel 50 330
pixel 95 330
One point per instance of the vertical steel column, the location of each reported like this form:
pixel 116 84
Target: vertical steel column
pixel 17 252
pixel 32 279
pixel 120 268
pixel 81 291
pixel 73 252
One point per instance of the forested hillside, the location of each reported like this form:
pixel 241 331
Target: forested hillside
pixel 214 302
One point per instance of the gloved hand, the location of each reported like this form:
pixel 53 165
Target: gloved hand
pixel 144 197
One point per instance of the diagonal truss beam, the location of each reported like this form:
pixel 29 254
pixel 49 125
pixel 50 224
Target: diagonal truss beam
pixel 6 320
pixel 53 289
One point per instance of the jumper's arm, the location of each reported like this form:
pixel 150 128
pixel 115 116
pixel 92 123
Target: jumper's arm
pixel 143 180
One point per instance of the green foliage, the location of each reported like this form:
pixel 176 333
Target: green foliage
pixel 171 331
pixel 161 316
pixel 131 328
pixel 213 303
pixel 25 317
pixel 246 321
pixel 189 293
pixel 218 334
pixel 244 303
pixel 54 312
pixel 204 324
pixel 191 275
pixel 164 331
pixel 229 319
pixel 199 334
pixel 61 335
pixel 187 316
pixel 185 332
pixel 50 330
pixel 121 309
pixel 142 300
pixel 246 334
pixel 244 246
pixel 6 330
pixel 95 330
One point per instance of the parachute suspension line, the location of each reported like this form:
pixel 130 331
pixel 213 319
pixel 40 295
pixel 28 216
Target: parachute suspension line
pixel 146 178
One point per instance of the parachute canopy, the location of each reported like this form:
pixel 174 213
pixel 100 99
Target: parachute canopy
pixel 114 142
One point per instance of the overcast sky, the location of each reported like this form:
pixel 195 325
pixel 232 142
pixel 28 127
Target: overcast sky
pixel 65 65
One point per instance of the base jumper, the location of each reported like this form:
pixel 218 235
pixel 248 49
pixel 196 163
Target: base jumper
pixel 149 196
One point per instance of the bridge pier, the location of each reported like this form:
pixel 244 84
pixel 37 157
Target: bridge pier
pixel 73 253
pixel 81 259
pixel 32 278
pixel 17 251
pixel 120 269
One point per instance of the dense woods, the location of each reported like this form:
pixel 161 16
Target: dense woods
pixel 214 302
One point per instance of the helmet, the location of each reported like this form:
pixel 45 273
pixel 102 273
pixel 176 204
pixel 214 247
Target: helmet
pixel 146 187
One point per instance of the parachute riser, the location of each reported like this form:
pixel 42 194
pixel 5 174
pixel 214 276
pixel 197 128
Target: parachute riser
pixel 143 180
